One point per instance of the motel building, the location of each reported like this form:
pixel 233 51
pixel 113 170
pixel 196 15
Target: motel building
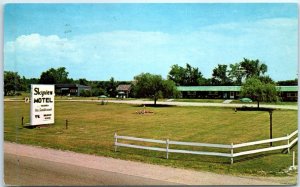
pixel 70 89
pixel 123 90
pixel 287 93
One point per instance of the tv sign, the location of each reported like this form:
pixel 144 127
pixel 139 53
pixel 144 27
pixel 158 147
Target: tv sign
pixel 42 104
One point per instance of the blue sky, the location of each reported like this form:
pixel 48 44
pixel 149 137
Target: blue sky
pixel 99 41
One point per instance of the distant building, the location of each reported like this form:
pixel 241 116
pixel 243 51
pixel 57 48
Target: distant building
pixel 123 90
pixel 70 89
pixel 287 93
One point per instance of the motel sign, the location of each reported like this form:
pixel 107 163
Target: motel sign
pixel 42 104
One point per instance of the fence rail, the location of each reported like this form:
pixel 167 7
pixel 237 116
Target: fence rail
pixel 231 147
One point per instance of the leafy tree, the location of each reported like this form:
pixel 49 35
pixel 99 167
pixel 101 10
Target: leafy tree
pixel 30 81
pixel 253 68
pixel 47 78
pixel 23 86
pixel 55 76
pixel 85 93
pixel 12 82
pixel 101 91
pixel 62 75
pixel 259 90
pixel 188 76
pixel 219 76
pixel 177 74
pixel 111 88
pixel 236 73
pixel 83 82
pixel 153 86
pixel 266 79
pixel 288 82
pixel 192 75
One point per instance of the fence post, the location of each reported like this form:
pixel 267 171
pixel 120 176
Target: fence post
pixel 116 141
pixel 66 124
pixel 231 153
pixel 22 121
pixel 288 143
pixel 167 144
pixel 293 159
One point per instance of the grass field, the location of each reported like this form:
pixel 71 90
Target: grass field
pixel 92 126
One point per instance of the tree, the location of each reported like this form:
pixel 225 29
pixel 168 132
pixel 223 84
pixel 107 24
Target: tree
pixel 54 76
pixel 288 82
pixel 192 75
pixel 112 87
pixel 83 81
pixel 236 73
pixel 266 79
pixel 85 93
pixel 47 78
pixel 30 81
pixel 177 74
pixel 188 76
pixel 219 76
pixel 253 68
pixel 153 86
pixel 12 82
pixel 259 90
pixel 61 75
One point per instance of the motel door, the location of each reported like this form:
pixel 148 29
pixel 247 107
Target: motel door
pixel 231 95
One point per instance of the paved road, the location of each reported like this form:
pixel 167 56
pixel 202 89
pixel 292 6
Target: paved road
pixel 290 107
pixel 21 170
pixel 174 103
pixel 29 165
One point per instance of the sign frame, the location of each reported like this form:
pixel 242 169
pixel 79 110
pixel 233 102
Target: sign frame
pixel 42 104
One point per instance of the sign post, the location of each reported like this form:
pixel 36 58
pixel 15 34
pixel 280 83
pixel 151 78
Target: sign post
pixel 42 104
pixel 270 113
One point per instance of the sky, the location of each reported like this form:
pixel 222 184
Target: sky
pixel 100 41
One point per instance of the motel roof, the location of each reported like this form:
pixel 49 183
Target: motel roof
pixel 229 88
pixel 71 86
pixel 124 87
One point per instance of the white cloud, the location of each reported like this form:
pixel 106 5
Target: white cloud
pixel 123 54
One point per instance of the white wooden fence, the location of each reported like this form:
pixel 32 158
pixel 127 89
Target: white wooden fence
pixel 232 154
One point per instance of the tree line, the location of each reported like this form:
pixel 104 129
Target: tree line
pixel 14 83
pixel 249 73
pixel 222 75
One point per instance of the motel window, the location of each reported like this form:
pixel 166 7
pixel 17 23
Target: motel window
pixel 191 93
pixel 292 94
pixel 213 93
pixel 72 91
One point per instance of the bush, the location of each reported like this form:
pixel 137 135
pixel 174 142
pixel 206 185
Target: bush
pixel 85 93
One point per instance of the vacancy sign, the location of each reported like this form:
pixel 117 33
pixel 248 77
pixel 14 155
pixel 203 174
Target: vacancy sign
pixel 42 104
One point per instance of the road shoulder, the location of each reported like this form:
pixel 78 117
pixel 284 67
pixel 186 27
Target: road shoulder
pixel 156 172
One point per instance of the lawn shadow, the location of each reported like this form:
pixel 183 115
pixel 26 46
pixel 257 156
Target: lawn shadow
pixel 245 108
pixel 153 105
pixel 252 157
pixel 203 159
pixel 285 151
pixel 27 126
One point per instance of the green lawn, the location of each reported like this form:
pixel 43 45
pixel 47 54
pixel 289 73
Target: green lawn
pixel 270 103
pixel 92 126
